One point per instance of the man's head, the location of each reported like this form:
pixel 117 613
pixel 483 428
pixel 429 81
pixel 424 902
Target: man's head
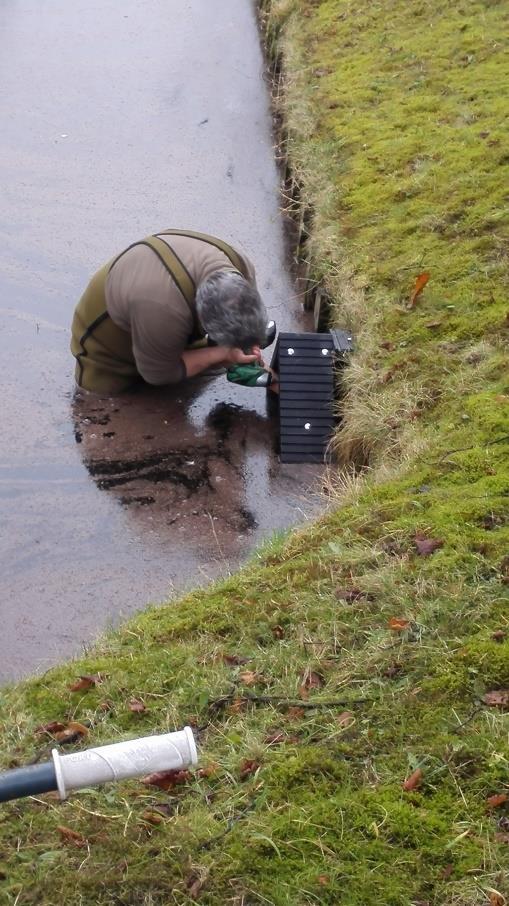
pixel 231 311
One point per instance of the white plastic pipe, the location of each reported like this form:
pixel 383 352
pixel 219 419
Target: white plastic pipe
pixel 120 760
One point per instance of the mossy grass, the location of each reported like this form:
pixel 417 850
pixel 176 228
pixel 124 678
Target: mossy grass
pixel 394 117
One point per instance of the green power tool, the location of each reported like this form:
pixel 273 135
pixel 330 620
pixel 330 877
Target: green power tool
pixel 249 375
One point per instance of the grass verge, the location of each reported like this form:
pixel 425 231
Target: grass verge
pixel 372 647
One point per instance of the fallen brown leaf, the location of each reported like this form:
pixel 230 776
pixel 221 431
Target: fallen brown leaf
pixel 496 800
pixel 499 635
pixel 237 705
pixel 278 632
pixel 497 899
pixel 235 660
pixel 414 781
pixel 166 809
pixel 491 521
pixel 447 871
pixel 481 548
pixel 208 771
pixel 390 347
pixel 502 838
pixel 393 547
pixel 397 624
pixel 389 374
pixel 191 721
pixel 152 816
pixel 498 698
pixel 277 737
pixel 393 670
pixel 195 888
pixel 432 324
pixel 344 594
pixel 167 780
pixel 54 726
pixel 352 594
pixel 136 706
pixel 295 713
pixel 86 682
pixel 345 718
pixel 323 880
pixel 249 677
pixel 249 766
pixel 70 836
pixel 314 680
pixel 196 882
pixel 419 285
pixel 311 680
pixel 427 546
pixel 71 732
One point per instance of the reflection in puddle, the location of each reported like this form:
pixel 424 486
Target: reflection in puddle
pixel 172 473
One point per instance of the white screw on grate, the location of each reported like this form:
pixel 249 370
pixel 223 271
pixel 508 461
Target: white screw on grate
pixel 307 426
pixel 290 351
pixel 325 352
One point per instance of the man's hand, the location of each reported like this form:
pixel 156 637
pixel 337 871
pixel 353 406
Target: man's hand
pixel 236 356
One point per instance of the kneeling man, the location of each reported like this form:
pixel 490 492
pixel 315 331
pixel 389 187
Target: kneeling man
pixel 145 314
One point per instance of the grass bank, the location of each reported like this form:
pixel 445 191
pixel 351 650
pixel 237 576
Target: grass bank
pixel 372 648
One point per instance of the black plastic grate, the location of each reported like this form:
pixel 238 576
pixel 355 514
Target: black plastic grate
pixel 305 363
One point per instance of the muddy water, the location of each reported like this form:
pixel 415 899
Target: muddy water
pixel 120 119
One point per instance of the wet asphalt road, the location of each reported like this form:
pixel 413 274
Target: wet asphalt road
pixel 119 119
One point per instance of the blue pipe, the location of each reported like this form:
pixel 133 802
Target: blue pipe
pixel 28 781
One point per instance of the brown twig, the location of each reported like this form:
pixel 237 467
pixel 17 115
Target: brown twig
pixel 285 702
pixel 489 443
pixel 467 720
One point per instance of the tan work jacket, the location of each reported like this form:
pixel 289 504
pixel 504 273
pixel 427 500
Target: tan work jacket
pixel 138 313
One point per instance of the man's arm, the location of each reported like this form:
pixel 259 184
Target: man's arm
pixel 198 360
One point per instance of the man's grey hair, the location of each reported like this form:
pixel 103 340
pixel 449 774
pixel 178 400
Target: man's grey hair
pixel 231 311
